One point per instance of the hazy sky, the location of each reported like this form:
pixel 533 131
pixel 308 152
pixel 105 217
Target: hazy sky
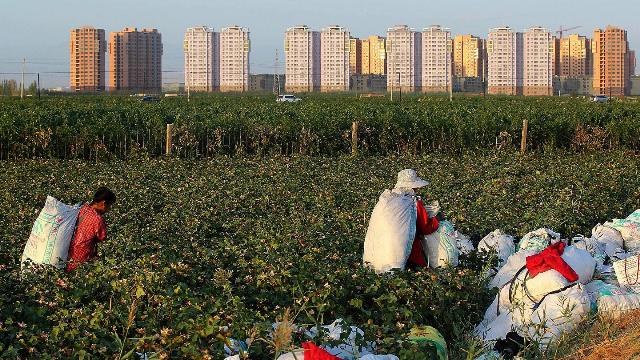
pixel 39 29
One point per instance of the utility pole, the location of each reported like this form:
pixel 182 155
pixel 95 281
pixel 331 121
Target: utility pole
pixel 24 60
pixel 38 86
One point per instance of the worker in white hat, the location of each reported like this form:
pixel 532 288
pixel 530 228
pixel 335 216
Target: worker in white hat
pixel 426 221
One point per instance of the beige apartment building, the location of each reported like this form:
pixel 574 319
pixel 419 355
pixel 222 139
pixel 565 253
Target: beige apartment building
pixel 575 56
pixel 505 66
pixel 374 59
pixel 404 59
pixel 302 59
pixel 201 59
pixel 468 56
pixel 611 70
pixel 135 60
pixel 355 56
pixel 334 59
pixel 87 47
pixel 437 59
pixel 234 59
pixel 538 65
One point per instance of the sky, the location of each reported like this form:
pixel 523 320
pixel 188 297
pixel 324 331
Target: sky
pixel 38 30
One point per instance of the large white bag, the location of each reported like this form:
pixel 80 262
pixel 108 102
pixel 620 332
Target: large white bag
pixel 440 248
pixel 538 240
pixel 629 229
pixel 581 262
pixel 392 229
pixel 463 243
pixel 514 263
pixel 51 234
pixel 559 313
pixel 498 242
pixel 628 271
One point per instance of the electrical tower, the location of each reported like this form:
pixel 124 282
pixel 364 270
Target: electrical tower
pixel 276 76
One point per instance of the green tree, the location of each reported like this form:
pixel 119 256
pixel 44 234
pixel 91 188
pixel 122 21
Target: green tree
pixel 33 88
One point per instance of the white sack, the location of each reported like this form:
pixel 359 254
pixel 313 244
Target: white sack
pixel 514 263
pixel 440 248
pixel 463 243
pixel 629 229
pixel 500 243
pixel 559 313
pixel 51 234
pixel 539 239
pixel 392 229
pixel 606 235
pixel 616 305
pixel 581 262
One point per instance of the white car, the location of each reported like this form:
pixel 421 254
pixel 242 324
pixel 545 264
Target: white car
pixel 600 98
pixel 288 98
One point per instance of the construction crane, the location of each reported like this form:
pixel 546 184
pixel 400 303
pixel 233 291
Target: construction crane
pixel 562 30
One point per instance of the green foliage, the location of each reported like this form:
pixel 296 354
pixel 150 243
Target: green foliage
pixel 105 127
pixel 199 251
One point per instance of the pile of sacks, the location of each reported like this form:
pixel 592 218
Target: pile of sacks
pixel 547 285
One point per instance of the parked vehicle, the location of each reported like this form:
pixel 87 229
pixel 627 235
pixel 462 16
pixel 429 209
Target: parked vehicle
pixel 600 98
pixel 288 98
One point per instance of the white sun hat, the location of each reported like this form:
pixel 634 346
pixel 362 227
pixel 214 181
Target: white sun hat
pixel 408 178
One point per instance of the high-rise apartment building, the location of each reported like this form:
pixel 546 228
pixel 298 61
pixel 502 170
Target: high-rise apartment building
pixel 538 65
pixel 201 59
pixel 334 59
pixel 468 56
pixel 437 59
pixel 302 59
pixel 374 57
pixel 404 59
pixel 234 59
pixel 355 56
pixel 135 60
pixel 505 66
pixel 87 47
pixel 632 62
pixel 575 56
pixel 611 70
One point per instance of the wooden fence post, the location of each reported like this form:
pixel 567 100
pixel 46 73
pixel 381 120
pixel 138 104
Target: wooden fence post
pixel 169 143
pixel 523 141
pixel 354 138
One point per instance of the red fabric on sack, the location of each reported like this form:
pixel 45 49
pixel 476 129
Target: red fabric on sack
pixel 313 352
pixel 424 226
pixel 550 258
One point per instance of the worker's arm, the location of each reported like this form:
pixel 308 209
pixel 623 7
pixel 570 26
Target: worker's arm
pixel 425 225
pixel 101 231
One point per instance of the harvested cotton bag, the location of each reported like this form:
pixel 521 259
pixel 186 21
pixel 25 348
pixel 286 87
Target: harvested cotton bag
pixel 51 234
pixel 392 229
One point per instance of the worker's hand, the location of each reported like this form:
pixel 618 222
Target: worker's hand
pixel 433 209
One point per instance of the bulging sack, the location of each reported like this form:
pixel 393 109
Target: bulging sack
pixel 440 248
pixel 498 242
pixel 51 234
pixel 391 231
